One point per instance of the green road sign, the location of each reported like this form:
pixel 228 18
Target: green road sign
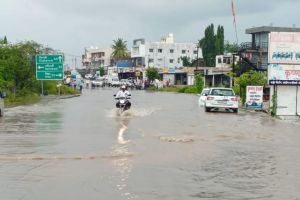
pixel 50 75
pixel 49 58
pixel 49 67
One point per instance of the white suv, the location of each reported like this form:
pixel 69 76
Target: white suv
pixel 221 98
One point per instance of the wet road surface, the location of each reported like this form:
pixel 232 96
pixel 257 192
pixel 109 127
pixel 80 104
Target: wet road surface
pixel 165 147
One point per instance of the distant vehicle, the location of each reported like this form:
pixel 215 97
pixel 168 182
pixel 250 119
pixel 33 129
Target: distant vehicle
pixel 221 98
pixel 203 96
pixel 88 76
pixel 126 82
pixel 131 79
pixel 98 82
pixel 113 81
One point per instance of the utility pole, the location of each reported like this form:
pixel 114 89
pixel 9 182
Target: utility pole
pixel 197 61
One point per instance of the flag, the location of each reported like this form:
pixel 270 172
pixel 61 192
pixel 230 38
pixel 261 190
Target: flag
pixel 233 11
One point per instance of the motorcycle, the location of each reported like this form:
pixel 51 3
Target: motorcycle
pixel 123 103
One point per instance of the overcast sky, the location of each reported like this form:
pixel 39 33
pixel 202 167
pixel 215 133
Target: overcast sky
pixel 71 25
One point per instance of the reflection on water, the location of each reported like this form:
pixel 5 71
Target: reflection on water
pixel 123 163
pixel 123 127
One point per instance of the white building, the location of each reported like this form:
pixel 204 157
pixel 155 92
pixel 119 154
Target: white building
pixel 95 57
pixel 226 61
pixel 165 55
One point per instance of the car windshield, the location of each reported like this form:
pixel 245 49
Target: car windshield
pixel 222 92
pixel 205 92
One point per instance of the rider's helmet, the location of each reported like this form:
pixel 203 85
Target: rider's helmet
pixel 123 87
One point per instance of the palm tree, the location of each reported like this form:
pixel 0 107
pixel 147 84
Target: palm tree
pixel 119 49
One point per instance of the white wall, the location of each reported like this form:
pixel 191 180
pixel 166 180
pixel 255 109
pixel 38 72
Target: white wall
pixel 286 100
pixel 298 100
pixel 191 79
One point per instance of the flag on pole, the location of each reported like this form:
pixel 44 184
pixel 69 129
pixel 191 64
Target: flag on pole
pixel 234 21
pixel 233 11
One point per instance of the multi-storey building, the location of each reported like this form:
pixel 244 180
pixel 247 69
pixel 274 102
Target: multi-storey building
pixel 277 50
pixel 95 57
pixel 165 55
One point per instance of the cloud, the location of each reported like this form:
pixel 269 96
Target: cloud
pixel 72 25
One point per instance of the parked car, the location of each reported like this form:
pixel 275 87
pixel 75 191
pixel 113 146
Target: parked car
pixel 221 98
pixel 203 96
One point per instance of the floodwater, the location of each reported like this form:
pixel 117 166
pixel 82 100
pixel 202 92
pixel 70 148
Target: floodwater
pixel 166 147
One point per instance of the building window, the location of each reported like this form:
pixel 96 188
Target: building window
pixel 150 60
pixel 171 50
pixel 171 60
pixel 196 52
pixel 159 50
pixel 160 60
pixel 151 50
pixel 183 51
pixel 228 61
pixel 219 60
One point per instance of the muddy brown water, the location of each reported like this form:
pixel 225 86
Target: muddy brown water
pixel 165 147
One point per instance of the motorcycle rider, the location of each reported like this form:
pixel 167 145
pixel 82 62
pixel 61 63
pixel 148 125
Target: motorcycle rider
pixel 123 92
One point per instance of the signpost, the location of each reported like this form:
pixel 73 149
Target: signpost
pixel 254 98
pixel 49 67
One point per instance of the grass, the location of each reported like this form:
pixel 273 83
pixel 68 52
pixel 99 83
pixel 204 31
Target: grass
pixel 27 97
pixel 185 89
pixel 21 100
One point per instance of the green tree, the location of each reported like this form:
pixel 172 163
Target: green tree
pixel 119 49
pixel 101 71
pixel 231 47
pixel 251 78
pixel 152 73
pixel 199 83
pixel 186 61
pixel 220 41
pixel 5 40
pixel 212 44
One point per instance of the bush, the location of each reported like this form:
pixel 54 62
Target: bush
pixel 68 90
pixel 192 90
pixel 199 83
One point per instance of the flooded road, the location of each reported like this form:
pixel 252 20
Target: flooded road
pixel 166 147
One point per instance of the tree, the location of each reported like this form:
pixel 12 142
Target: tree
pixel 231 47
pixel 199 83
pixel 212 44
pixel 119 49
pixel 152 73
pixel 101 71
pixel 5 40
pixel 186 61
pixel 220 41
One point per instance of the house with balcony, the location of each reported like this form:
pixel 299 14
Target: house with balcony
pixel 95 57
pixel 276 50
pixel 166 56
pixel 255 53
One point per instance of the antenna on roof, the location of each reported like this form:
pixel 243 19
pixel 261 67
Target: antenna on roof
pixel 271 24
pixel 294 25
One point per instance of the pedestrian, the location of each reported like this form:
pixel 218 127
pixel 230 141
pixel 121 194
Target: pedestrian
pixel 80 86
pixel 74 84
